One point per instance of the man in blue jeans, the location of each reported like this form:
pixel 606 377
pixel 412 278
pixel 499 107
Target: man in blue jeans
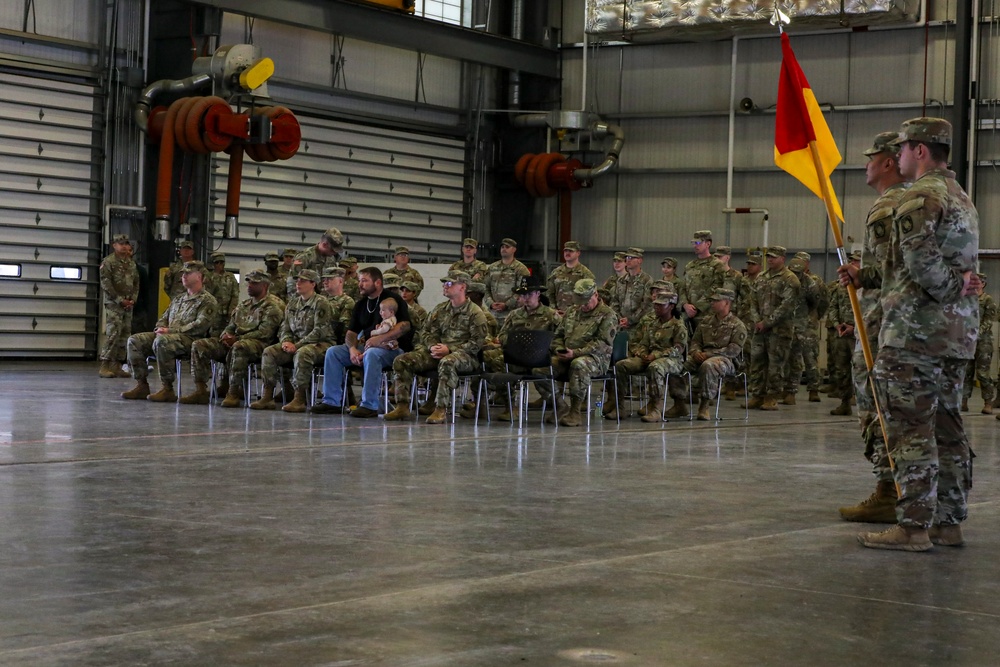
pixel 372 353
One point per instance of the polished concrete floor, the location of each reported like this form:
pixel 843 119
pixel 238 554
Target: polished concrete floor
pixel 134 533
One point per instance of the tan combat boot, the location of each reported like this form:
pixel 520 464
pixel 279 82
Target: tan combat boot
pixel 165 395
pixel 988 408
pixel 561 407
pixel 842 410
pixel 814 396
pixel 946 535
pixel 730 394
pixel 703 414
pixel 898 538
pixel 789 399
pixel 137 393
pixel 754 403
pixel 770 403
pixel 234 398
pixel 678 409
pixel 610 408
pixel 439 416
pixel 298 402
pixel 266 400
pixel 536 404
pixel 879 507
pixel 428 407
pixel 571 416
pixel 654 411
pixel 398 413
pixel 107 371
pixel 120 372
pixel 197 397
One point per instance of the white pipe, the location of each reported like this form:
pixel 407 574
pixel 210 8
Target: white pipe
pixel 764 222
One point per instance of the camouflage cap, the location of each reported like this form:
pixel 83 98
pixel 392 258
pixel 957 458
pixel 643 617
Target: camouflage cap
pixel 927 130
pixel 776 251
pixel 803 255
pixel 470 242
pixel 186 244
pixel 509 241
pixel 476 288
pixel 618 257
pixel 702 235
pixel 402 250
pixel 460 277
pixel 333 272
pixel 346 263
pixel 272 257
pixel 193 266
pixel 584 289
pixel 796 265
pixel 662 285
pixel 120 238
pixel 334 237
pixel 665 299
pixel 571 245
pixel 257 276
pixel 289 252
pixel 390 281
pixel 883 144
pixel 218 257
pixel 634 252
pixel 411 286
pixel 724 294
pixel 669 261
pixel 982 277
pixel 308 274
pixel 753 259
pixel 723 250
pixel 854 256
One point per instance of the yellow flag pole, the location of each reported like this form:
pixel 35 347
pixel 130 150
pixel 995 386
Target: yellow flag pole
pixel 859 322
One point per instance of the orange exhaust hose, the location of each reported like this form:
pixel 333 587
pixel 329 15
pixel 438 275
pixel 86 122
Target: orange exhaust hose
pixel 165 169
pixel 235 180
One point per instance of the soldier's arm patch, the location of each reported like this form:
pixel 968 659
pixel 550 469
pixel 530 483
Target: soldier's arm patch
pixel 906 224
pixel 879 229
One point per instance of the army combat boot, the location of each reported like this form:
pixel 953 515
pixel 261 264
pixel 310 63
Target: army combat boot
pixel 266 400
pixel 439 416
pixel 789 399
pixel 678 409
pixel 898 538
pixel 400 412
pixel 199 396
pixel 703 414
pixel 946 535
pixel 754 403
pixel 770 403
pixel 165 395
pixel 234 398
pixel 879 507
pixel 120 372
pixel 298 402
pixel 107 371
pixel 138 392
pixel 842 410
pixel 813 396
pixel 571 416
pixel 610 408
pixel 654 411
pixel 560 407
pixel 988 408
pixel 428 407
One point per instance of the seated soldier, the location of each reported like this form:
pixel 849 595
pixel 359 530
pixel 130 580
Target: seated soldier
pixel 189 317
pixel 717 345
pixel 253 327
pixel 581 349
pixel 450 341
pixel 303 339
pixel 341 304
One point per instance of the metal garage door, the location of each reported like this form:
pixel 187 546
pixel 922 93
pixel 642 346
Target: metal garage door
pixel 48 200
pixel 381 188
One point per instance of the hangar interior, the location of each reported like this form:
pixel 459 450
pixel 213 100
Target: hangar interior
pixel 182 535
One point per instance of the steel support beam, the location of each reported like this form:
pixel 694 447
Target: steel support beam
pixel 382 26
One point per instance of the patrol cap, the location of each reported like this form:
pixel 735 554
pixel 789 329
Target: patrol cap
pixel 723 294
pixel 702 235
pixel 193 266
pixel 669 261
pixel 884 144
pixel 776 251
pixel 333 272
pixel 854 256
pixel 308 274
pixel 460 277
pixel 390 281
pixel 257 276
pixel 334 237
pixel 665 299
pixel 619 257
pixel 796 265
pixel 753 259
pixel 803 255
pixel 584 289
pixel 411 286
pixel 186 244
pixel 347 262
pixel 218 257
pixel 723 250
pixel 120 238
pixel 471 242
pixel 476 288
pixel 571 245
pixel 634 252
pixel 402 250
pixel 509 241
pixel 663 285
pixel 289 252
pixel 271 257
pixel 530 284
pixel 925 129
pixel 982 277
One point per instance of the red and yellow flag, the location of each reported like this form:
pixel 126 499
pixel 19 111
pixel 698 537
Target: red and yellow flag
pixel 799 121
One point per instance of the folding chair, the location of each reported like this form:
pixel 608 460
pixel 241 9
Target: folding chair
pixel 619 351
pixel 738 372
pixel 464 379
pixel 529 349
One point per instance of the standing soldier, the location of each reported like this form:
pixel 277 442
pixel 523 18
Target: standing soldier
pixel 476 268
pixel 734 278
pixel 581 349
pixel 929 330
pixel 287 259
pixel 882 175
pixel 630 298
pixel 402 269
pixel 275 275
pixel 328 252
pixel 172 284
pixel 775 295
pixel 225 289
pixel 303 339
pixel 840 316
pixel 418 314
pixel 668 267
pixel 564 277
pixel 755 258
pixel 981 366
pixel 812 296
pixel 120 287
pixel 189 317
pixel 610 286
pixel 502 278
pixel 352 287
pixel 341 305
pixel 703 276
pixel 716 346
pixel 252 327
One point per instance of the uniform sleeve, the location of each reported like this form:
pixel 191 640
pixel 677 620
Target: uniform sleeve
pixel 786 306
pixel 916 223
pixel 206 316
pixel 285 330
pixel 736 342
pixel 322 329
pixel 821 297
pixel 108 282
pixel 488 282
pixel 603 339
pixel 679 344
pixel 270 321
pixel 477 333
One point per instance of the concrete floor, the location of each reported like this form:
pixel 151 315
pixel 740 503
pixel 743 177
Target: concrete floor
pixel 134 533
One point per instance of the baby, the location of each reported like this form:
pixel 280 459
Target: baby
pixel 387 310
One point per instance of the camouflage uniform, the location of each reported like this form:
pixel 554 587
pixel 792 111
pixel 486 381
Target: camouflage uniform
pixel 255 324
pixel 928 337
pixel 981 366
pixel 119 282
pixel 310 258
pixel 608 289
pixel 666 341
pixel 701 279
pixel 774 299
pixel 189 317
pixel 501 280
pixel 590 336
pixel 308 325
pixel 463 330
pixel 804 356
pixel 352 288
pixel 341 309
pixel 542 318
pixel 226 290
pixel 409 274
pixel 279 286
pixel 840 347
pixel 560 284
pixel 418 318
pixel 476 270
pixel 172 285
pixel 723 340
pixel 630 298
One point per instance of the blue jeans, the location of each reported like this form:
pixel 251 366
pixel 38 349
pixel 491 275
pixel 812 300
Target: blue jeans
pixel 338 358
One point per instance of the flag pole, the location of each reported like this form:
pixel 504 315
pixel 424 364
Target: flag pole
pixel 859 322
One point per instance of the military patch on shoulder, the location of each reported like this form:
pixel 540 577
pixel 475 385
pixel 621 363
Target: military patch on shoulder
pixel 879 229
pixel 906 225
